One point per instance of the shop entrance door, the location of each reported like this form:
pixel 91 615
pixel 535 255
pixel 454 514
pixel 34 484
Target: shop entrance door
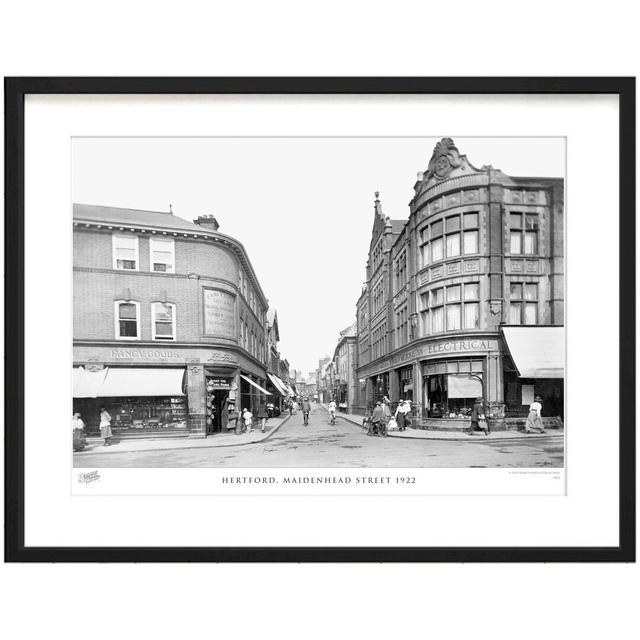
pixel 217 412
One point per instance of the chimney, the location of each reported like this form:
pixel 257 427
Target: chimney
pixel 208 222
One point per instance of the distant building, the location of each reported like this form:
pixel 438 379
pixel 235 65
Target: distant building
pixel 168 322
pixel 345 387
pixel 465 298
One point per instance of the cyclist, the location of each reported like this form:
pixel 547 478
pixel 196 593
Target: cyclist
pixel 306 408
pixel 332 411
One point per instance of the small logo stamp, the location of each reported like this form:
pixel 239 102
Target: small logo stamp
pixel 88 477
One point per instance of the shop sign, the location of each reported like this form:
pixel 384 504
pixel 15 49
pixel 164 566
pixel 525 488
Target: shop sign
pixel 219 313
pixel 219 383
pixel 442 348
pixel 144 354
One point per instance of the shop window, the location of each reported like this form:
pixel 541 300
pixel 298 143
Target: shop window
pixel 162 255
pixel 452 395
pixel 125 252
pixel 127 320
pixel 163 316
pixel 524 303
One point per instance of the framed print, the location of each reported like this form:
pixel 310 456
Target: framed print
pixel 320 319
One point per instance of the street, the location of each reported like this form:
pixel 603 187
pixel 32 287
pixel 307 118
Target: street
pixel 343 445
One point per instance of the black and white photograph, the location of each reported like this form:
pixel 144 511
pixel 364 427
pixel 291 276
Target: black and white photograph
pixel 318 302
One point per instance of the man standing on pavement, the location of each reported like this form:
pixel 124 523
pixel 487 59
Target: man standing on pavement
pixel 306 408
pixel 386 416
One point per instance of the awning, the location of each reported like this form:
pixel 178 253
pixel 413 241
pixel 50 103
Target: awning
pixel 133 382
pixel 256 385
pixel 278 384
pixel 537 352
pixel 464 386
pixel 290 390
pixel 86 384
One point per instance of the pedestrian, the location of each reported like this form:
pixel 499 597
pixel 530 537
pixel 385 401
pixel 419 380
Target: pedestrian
pixel 262 415
pixel 306 408
pixel 271 408
pixel 233 420
pixel 478 421
pixel 401 415
pixel 332 411
pixel 247 418
pixel 386 413
pixel 77 425
pixel 534 419
pixel 376 421
pixel 105 426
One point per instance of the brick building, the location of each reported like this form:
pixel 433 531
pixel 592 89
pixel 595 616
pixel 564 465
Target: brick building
pixel 465 298
pixel 169 322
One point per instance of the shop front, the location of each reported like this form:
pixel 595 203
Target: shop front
pixel 151 391
pixel 534 367
pixel 140 401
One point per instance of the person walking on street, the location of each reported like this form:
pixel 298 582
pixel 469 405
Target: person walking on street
pixel 105 426
pixel 401 415
pixel 534 419
pixel 332 411
pixel 306 408
pixel 262 415
pixel 478 421
pixel 247 417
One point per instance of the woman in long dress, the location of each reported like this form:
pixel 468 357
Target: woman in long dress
pixel 534 419
pixel 105 426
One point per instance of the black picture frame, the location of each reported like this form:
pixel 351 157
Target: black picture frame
pixel 15 91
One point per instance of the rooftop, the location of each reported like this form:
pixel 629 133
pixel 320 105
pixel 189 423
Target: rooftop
pixel 117 215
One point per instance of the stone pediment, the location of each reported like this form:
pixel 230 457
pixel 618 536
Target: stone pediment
pixel 446 163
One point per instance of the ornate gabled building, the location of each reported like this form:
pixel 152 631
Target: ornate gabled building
pixel 465 298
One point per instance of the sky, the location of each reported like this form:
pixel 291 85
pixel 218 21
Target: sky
pixel 302 207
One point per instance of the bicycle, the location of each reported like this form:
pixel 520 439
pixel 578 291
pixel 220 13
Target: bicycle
pixel 333 418
pixel 305 415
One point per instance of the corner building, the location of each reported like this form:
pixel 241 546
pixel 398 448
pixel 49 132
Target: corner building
pixel 169 323
pixel 465 299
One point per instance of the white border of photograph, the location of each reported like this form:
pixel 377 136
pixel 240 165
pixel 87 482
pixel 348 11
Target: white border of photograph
pixel 587 515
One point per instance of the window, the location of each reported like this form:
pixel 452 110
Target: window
pixel 127 316
pixel 125 252
pixel 162 255
pixel 524 233
pixel 524 303
pixel 402 327
pixel 400 269
pixel 451 308
pixel 163 318
pixel 449 238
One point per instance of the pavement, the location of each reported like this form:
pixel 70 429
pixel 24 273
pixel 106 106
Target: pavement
pixel 426 434
pixel 323 445
pixel 95 445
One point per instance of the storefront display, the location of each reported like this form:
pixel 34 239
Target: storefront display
pixel 451 388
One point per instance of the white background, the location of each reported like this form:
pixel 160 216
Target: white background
pixel 365 39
